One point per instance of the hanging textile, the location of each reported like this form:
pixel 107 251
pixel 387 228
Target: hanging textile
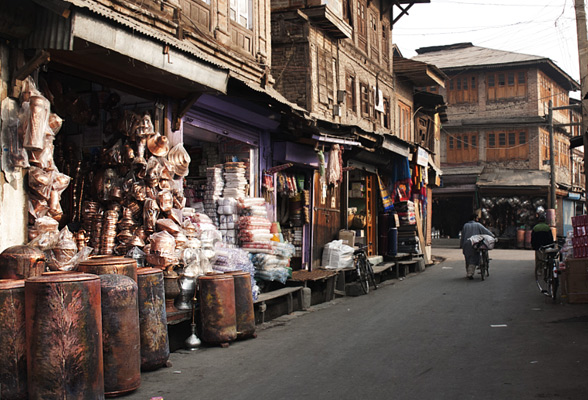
pixel 335 166
pixel 387 201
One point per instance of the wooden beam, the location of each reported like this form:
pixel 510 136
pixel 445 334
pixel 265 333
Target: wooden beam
pixel 183 109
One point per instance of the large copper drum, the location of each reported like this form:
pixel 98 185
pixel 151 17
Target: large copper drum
pixel 120 334
pixel 217 308
pixel 21 262
pixel 13 349
pixel 244 304
pixel 152 319
pixel 101 265
pixel 64 337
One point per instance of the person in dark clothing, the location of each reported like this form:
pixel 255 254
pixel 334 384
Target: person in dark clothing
pixel 472 258
pixel 541 236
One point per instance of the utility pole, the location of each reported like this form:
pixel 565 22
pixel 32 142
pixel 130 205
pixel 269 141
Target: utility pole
pixel 552 198
pixel 582 33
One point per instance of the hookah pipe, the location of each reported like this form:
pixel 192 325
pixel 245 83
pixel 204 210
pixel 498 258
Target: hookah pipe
pixel 192 342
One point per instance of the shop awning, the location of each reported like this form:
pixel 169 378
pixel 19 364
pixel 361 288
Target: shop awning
pixel 396 146
pixel 418 72
pixel 501 178
pixel 89 40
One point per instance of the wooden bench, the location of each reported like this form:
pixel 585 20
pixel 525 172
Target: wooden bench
pixel 288 292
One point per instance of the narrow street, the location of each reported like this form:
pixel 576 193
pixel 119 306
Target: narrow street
pixel 434 335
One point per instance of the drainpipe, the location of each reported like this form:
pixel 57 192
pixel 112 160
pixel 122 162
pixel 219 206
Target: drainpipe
pixel 551 158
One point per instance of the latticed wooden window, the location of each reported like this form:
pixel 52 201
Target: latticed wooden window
pixel 362 25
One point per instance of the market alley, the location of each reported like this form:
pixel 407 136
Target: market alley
pixel 434 335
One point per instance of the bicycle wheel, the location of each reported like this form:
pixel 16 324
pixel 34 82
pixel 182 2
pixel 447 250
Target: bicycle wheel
pixel 362 274
pixel 553 281
pixel 371 276
pixel 540 278
pixel 487 258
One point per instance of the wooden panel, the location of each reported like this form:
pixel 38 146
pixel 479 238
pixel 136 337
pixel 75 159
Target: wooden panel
pixel 326 218
pixel 371 190
pixel 242 38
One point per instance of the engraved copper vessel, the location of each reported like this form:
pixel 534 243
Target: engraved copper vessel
pixel 13 349
pixel 21 262
pixel 217 308
pixel 64 337
pixel 244 304
pixel 100 265
pixel 152 319
pixel 120 334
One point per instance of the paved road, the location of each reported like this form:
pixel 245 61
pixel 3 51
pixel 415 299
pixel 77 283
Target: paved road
pixel 434 335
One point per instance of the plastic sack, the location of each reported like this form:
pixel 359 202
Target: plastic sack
pixel 337 255
pixel 487 241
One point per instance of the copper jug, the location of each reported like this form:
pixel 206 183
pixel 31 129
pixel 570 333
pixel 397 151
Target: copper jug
pixel 21 262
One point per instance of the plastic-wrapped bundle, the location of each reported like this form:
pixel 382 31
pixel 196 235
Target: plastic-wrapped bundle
pixel 274 274
pixel 253 222
pixel 283 249
pixel 258 247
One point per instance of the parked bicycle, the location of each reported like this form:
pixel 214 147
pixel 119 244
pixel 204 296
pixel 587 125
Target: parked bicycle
pixel 483 243
pixel 547 271
pixel 365 272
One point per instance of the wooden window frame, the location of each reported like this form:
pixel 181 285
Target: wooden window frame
pixel 462 148
pixel 500 146
pixel 508 84
pixel 387 123
pixel 364 99
pixel 463 89
pixel 362 35
pixel 351 97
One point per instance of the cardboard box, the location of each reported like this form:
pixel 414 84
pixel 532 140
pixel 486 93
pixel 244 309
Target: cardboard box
pixel 348 237
pixel 575 281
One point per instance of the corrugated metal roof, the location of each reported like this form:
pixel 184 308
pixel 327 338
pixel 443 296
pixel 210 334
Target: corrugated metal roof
pixel 469 55
pixel 466 55
pixel 501 177
pixel 137 26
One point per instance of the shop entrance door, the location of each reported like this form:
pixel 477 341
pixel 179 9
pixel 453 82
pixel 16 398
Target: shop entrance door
pixel 326 220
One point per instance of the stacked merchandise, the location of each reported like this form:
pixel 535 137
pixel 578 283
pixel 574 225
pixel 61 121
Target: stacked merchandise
pixel 406 212
pixel 29 140
pixel 408 241
pixel 235 181
pixel 210 156
pixel 228 215
pixel 214 190
pixel 228 259
pixel 270 258
pixel 580 236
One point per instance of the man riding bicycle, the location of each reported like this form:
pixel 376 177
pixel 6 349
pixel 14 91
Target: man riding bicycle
pixel 472 257
pixel 541 236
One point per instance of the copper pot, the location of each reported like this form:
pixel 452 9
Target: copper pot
pixel 21 262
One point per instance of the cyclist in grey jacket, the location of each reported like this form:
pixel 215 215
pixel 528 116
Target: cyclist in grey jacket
pixel 472 258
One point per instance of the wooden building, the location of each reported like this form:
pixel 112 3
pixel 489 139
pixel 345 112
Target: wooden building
pixel 496 145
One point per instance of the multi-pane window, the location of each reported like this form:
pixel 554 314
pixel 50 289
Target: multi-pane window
pixel 462 148
pixel 387 123
pixel 366 100
pixel 507 145
pixel 362 25
pixel 404 121
pixel 241 12
pixel 561 150
pixel 506 85
pixel 463 89
pixel 386 44
pixel 374 36
pixel 350 93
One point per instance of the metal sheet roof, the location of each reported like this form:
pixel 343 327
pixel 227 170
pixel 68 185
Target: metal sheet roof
pixel 513 178
pixel 466 55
